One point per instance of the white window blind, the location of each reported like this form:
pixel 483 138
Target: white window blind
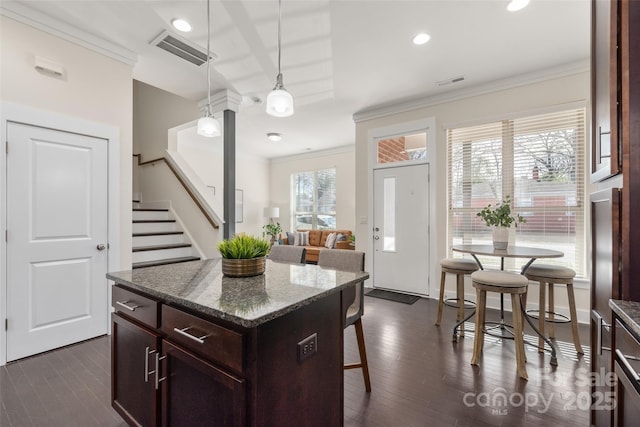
pixel 314 199
pixel 539 161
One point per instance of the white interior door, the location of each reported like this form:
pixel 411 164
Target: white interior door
pixel 57 230
pixel 401 229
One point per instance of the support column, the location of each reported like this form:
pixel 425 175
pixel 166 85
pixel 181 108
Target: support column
pixel 229 191
pixel 229 103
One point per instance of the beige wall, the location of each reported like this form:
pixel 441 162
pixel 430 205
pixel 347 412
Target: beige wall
pixel 94 88
pixel 343 159
pixel 525 99
pixel 155 111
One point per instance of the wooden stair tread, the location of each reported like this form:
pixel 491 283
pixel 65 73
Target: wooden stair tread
pixel 164 261
pixel 156 233
pixel 159 247
pixel 148 221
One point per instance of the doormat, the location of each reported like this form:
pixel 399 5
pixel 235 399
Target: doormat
pixel 392 296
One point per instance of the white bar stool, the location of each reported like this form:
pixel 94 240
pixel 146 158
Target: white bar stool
pixel 554 275
pixel 460 267
pixel 503 282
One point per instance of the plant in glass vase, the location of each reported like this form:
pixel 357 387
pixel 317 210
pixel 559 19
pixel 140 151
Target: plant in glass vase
pixel 500 218
pixel 273 230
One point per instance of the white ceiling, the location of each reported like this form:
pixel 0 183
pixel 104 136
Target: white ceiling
pixel 339 57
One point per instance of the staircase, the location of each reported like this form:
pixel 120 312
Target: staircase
pixel 157 237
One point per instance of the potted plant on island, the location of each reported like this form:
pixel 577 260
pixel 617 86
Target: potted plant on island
pixel 500 218
pixel 243 256
pixel 272 230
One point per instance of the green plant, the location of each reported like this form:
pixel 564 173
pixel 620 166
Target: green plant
pixel 272 230
pixel 243 247
pixel 500 215
pixel 352 238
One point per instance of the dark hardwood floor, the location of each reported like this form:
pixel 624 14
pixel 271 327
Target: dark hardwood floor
pixel 419 377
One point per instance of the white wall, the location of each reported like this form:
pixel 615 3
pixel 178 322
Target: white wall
pixel 343 159
pixel 527 98
pixel 94 88
pixel 252 177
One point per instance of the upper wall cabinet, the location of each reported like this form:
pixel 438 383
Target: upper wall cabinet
pixel 606 156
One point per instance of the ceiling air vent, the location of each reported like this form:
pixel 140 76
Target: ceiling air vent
pixel 182 48
pixel 450 81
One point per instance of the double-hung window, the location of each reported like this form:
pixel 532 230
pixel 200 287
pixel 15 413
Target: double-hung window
pixel 539 162
pixel 314 199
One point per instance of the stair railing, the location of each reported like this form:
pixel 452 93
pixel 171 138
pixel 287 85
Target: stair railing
pixel 193 192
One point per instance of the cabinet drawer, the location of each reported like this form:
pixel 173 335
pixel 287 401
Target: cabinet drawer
pixel 628 351
pixel 209 340
pixel 136 306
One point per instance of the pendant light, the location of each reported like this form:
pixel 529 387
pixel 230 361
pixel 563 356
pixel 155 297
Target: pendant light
pixel 208 126
pixel 279 101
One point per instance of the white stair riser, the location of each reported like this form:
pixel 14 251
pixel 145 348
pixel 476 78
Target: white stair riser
pixel 154 227
pixel 148 215
pixel 161 254
pixel 163 239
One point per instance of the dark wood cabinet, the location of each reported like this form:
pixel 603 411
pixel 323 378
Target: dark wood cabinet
pixel 615 140
pixel 606 158
pixel 133 391
pixel 194 390
pixel 627 384
pixel 183 368
pixel 605 238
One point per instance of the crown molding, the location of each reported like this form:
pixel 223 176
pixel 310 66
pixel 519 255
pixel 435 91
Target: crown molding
pixel 53 26
pixel 311 154
pixel 494 86
pixel 222 100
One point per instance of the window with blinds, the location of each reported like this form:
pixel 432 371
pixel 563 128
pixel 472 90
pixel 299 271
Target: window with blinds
pixel 314 199
pixel 538 161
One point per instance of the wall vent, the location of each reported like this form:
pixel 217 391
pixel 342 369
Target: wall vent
pixel 182 48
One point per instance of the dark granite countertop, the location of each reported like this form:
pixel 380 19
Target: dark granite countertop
pixel 248 302
pixel 628 312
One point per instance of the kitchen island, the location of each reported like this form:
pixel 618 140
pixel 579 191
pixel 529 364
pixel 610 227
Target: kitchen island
pixel 193 347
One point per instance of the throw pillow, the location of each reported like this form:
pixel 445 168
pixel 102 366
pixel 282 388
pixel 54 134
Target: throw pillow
pixel 291 237
pixel 331 241
pixel 341 237
pixel 301 238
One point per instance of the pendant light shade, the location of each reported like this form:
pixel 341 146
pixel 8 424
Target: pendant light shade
pixel 208 126
pixel 279 101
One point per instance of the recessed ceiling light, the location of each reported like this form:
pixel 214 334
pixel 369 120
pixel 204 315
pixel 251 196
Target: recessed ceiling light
pixel 274 136
pixel 181 25
pixel 515 5
pixel 421 38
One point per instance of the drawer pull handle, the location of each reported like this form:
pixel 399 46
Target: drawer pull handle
pixel 627 365
pixel 599 325
pixel 157 370
pixel 184 332
pixel 147 353
pixel 128 307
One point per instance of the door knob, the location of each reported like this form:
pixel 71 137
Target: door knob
pixel 376 237
pixel 101 247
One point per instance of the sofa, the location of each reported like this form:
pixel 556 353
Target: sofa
pixel 317 240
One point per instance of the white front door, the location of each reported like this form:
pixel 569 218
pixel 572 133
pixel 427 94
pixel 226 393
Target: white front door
pixel 401 229
pixel 56 230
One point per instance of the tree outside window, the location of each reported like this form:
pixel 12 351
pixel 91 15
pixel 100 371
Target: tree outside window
pixel 539 162
pixel 314 199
